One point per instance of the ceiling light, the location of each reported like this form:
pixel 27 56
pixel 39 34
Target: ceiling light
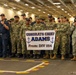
pixel 21 10
pixel 48 14
pixel 43 12
pixel 33 7
pixel 65 11
pixel 62 9
pixel 14 8
pixel 26 4
pixel 58 6
pixel 39 10
pixel 57 3
pixel 5 5
pixel 17 0
pixel 68 14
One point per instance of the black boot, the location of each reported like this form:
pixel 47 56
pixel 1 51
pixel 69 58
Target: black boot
pixel 24 56
pixel 13 55
pixel 28 56
pixel 19 55
pixel 35 56
pixel 38 56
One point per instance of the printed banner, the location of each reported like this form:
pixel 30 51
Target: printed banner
pixel 40 40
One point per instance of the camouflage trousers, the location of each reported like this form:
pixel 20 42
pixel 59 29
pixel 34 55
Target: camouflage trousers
pixel 15 44
pixel 74 45
pixel 61 41
pixel 68 45
pixel 36 51
pixel 24 47
pixel 49 52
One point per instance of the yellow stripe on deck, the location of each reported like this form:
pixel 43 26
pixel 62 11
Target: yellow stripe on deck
pixel 22 72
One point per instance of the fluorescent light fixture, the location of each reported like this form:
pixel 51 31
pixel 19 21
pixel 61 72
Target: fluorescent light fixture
pixel 33 7
pixel 58 6
pixel 14 8
pixel 68 14
pixel 56 3
pixel 65 11
pixel 26 4
pixel 62 9
pixel 17 0
pixel 39 10
pixel 44 12
pixel 5 5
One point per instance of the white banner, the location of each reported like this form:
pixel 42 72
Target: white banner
pixel 40 40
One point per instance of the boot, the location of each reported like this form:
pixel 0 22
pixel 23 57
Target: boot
pixel 18 55
pixel 31 55
pixel 46 56
pixel 24 56
pixel 35 56
pixel 38 56
pixel 13 55
pixel 28 56
pixel 74 58
pixel 62 58
pixel 54 57
pixel 50 56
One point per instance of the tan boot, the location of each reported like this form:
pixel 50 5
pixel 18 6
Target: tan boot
pixel 74 58
pixel 46 57
pixel 54 57
pixel 62 58
pixel 51 57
